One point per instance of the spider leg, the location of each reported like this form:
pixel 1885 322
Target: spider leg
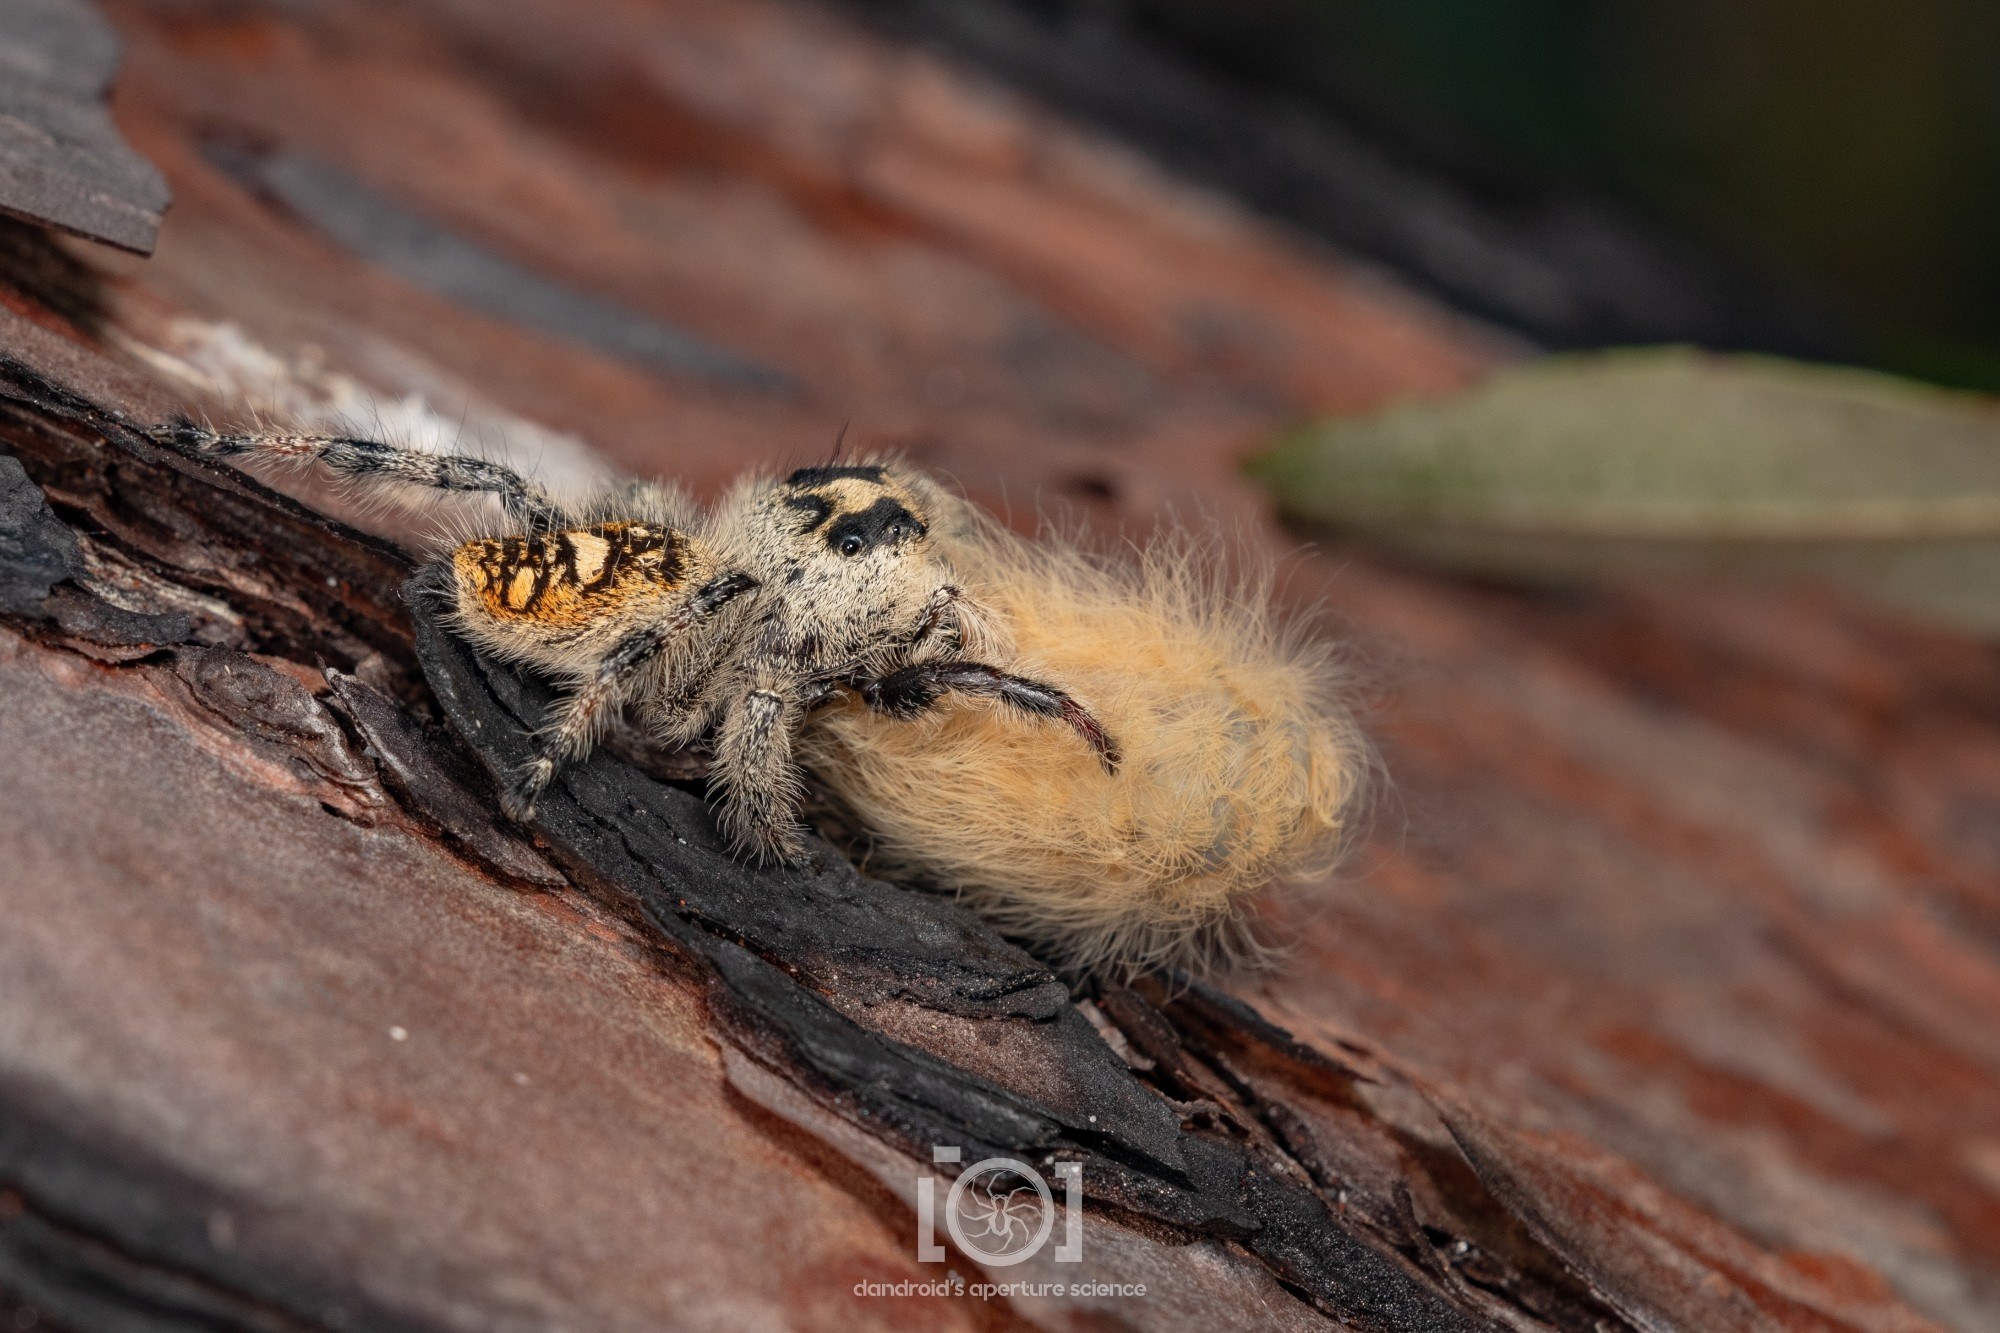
pixel 375 461
pixel 580 718
pixel 936 615
pixel 761 791
pixel 912 690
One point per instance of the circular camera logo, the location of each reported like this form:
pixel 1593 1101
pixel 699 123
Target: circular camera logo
pixel 999 1211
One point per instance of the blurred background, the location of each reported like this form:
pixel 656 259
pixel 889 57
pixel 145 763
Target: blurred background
pixel 1841 156
pixel 1819 183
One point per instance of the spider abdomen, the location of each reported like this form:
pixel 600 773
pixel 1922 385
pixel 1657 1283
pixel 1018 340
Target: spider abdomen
pixel 574 576
pixel 537 597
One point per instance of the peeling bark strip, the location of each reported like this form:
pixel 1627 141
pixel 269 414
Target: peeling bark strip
pixel 244 564
pixel 813 974
pixel 36 551
pixel 62 162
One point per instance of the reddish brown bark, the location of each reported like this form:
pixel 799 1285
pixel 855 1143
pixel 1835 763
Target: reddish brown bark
pixel 1662 995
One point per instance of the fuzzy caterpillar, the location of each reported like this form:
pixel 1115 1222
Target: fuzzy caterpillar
pixel 1241 768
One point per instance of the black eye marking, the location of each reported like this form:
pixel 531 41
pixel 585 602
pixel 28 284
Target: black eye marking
pixel 883 523
pixel 819 476
pixel 816 508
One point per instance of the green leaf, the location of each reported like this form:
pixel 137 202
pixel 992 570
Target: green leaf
pixel 1673 460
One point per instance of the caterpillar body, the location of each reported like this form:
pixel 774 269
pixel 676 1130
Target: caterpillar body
pixel 1240 763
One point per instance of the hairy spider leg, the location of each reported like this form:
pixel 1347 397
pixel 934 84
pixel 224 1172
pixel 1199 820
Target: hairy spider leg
pixel 753 764
pixel 577 718
pixel 373 460
pixel 912 690
pixel 935 614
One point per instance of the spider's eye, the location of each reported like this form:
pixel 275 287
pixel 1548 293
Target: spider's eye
pixel 851 544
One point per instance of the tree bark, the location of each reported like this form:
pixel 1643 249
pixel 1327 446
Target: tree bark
pixel 1661 995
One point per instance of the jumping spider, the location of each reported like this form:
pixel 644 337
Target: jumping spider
pixel 735 623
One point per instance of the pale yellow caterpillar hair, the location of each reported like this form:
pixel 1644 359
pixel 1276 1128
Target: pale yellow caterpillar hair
pixel 1241 765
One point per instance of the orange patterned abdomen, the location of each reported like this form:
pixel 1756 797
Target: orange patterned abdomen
pixel 574 577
